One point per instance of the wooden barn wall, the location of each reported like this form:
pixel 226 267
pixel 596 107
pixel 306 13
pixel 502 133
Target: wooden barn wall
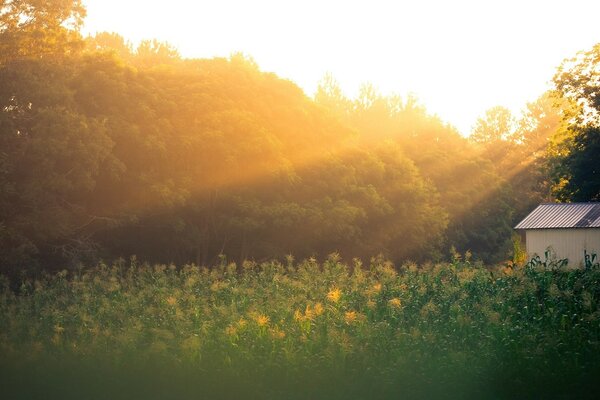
pixel 566 243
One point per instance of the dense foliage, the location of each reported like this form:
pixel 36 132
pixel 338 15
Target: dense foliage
pixel 108 150
pixel 302 330
pixel 576 171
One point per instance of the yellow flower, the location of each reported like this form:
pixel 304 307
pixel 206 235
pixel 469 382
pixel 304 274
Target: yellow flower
pixel 298 315
pixel 230 330
pixel 395 302
pixel 377 287
pixel 191 281
pixel 218 285
pixel 308 313
pixel 371 304
pixel 171 300
pixel 334 295
pixel 350 317
pixel 277 333
pixel 318 309
pixel 262 320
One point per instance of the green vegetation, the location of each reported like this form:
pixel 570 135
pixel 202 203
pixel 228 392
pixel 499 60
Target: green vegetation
pixel 302 330
pixel 108 150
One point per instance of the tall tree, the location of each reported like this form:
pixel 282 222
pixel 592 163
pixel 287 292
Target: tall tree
pixel 51 155
pixel 497 125
pixel 39 28
pixel 576 171
pixel 578 79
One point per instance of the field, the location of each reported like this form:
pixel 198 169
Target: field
pixel 301 330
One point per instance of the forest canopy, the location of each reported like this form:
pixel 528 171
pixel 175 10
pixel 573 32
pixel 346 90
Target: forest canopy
pixel 109 151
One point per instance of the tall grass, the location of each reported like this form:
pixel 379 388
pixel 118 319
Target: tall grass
pixel 301 330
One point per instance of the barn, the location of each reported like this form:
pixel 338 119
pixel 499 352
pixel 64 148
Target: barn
pixel 566 229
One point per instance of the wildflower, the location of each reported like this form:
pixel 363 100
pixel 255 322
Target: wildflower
pixel 171 300
pixel 262 320
pixel 377 287
pixel 190 282
pixel 371 304
pixel 218 285
pixel 395 302
pixel 429 309
pixel 308 313
pixel 230 330
pixel 242 322
pixel 318 309
pixel 468 255
pixel 113 286
pixel 277 333
pixel 350 317
pixel 334 295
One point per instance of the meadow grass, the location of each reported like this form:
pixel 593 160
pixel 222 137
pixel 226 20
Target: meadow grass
pixel 303 330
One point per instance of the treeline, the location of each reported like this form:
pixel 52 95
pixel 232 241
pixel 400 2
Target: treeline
pixel 108 150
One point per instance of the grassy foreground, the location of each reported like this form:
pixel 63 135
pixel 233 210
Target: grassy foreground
pixel 303 330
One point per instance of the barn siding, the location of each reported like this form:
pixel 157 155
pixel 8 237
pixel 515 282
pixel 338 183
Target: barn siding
pixel 566 243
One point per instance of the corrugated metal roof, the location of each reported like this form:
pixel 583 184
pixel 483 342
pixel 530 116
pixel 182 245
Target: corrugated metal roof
pixel 567 215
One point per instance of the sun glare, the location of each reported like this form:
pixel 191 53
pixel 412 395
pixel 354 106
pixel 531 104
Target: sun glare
pixel 459 58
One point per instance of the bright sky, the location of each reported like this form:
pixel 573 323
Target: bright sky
pixel 460 57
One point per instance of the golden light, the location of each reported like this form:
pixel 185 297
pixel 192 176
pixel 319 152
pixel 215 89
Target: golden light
pixel 459 57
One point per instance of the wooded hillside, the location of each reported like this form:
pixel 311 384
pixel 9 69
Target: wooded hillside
pixel 108 151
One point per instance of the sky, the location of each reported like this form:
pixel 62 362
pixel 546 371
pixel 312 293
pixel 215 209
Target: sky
pixel 459 58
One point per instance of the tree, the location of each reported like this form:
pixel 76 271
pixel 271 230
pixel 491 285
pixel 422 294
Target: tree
pixel 152 53
pixel 39 28
pixel 576 173
pixel 578 79
pixel 330 95
pixel 110 42
pixel 497 125
pixel 51 155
